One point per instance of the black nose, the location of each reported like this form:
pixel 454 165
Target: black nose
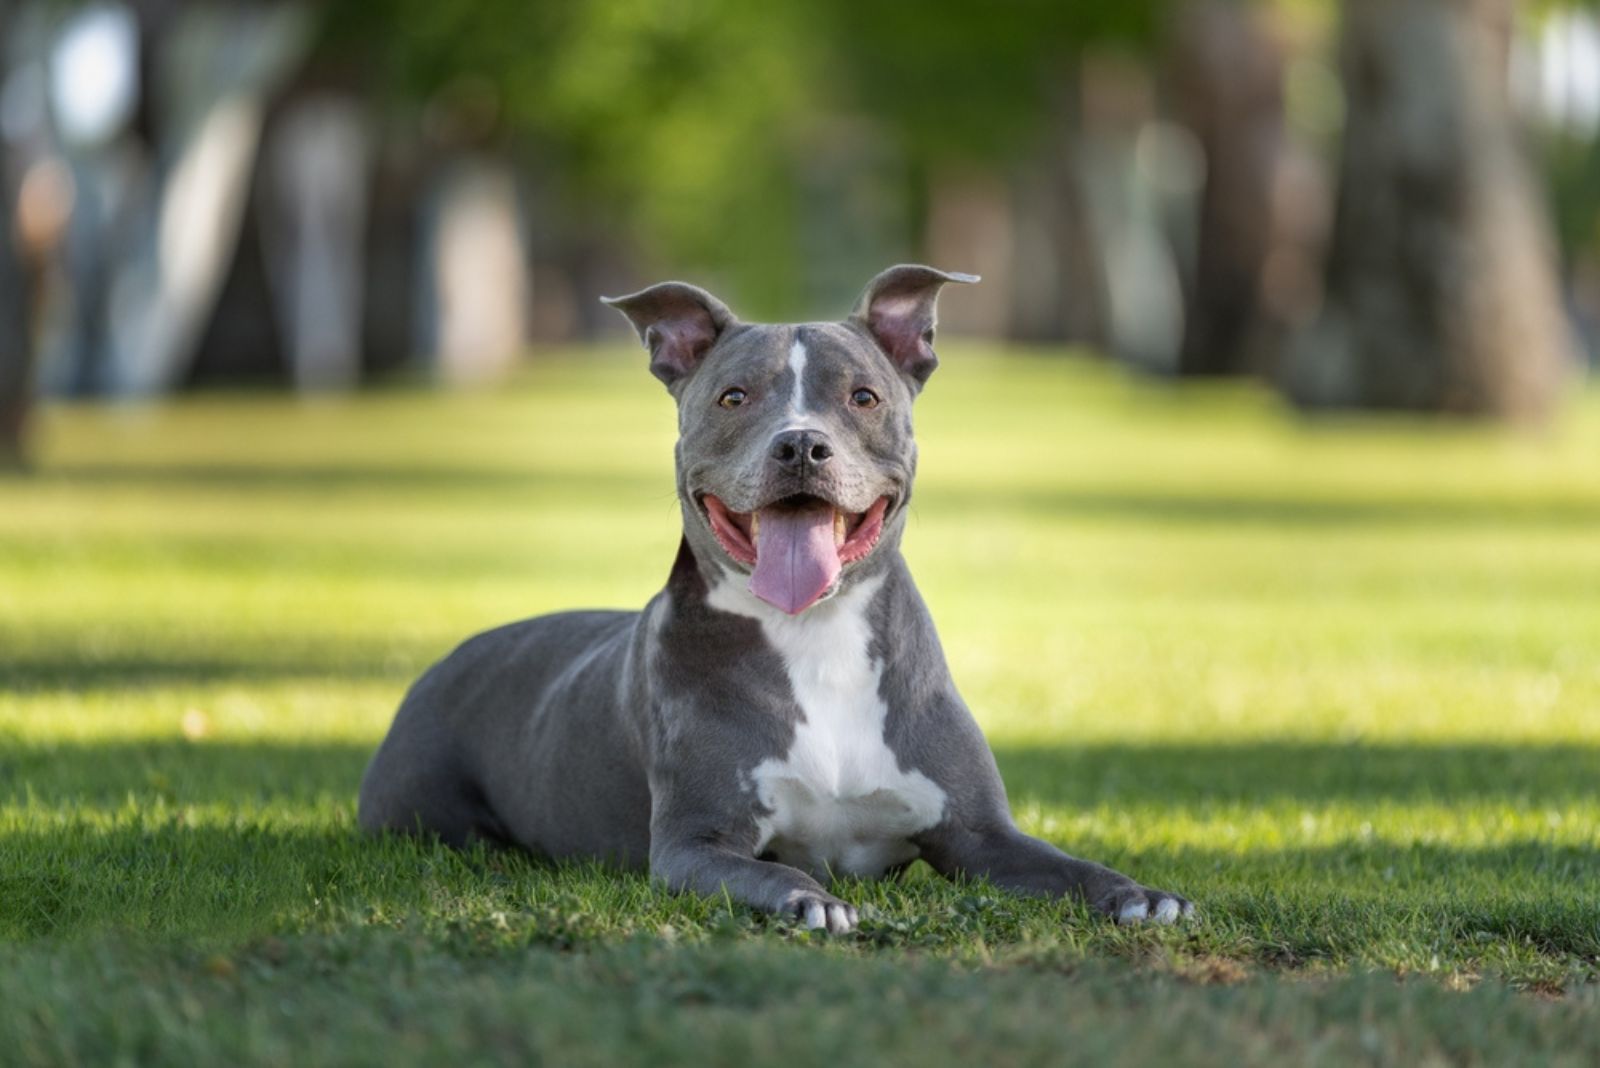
pixel 795 450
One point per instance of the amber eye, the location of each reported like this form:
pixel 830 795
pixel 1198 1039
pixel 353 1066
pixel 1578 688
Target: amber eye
pixel 732 398
pixel 864 398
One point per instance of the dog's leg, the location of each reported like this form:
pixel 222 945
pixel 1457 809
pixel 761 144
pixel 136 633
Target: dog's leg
pixel 711 868
pixel 1019 862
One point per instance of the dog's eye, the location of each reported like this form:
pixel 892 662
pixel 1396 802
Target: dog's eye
pixel 864 398
pixel 732 398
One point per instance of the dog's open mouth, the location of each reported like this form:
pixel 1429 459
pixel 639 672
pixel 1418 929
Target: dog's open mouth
pixel 796 546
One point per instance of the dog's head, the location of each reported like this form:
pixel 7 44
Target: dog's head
pixel 795 454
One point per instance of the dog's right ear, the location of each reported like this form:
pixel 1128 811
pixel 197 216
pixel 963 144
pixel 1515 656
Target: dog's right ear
pixel 677 322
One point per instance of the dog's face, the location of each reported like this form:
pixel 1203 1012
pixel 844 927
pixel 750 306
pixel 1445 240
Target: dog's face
pixel 795 453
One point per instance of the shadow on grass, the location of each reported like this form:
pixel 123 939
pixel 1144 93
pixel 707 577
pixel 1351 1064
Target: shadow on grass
pixel 1293 511
pixel 206 772
pixel 82 673
pixel 180 772
pixel 333 479
pixel 1302 771
pixel 1333 509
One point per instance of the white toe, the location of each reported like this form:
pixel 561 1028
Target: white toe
pixel 816 914
pixel 840 919
pixel 1167 911
pixel 1134 910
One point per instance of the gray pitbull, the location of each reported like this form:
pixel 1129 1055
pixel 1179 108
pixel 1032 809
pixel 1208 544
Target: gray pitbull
pixel 781 712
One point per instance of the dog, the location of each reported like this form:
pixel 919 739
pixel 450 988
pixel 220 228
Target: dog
pixel 781 712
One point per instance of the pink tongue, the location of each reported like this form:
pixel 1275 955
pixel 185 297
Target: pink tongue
pixel 796 560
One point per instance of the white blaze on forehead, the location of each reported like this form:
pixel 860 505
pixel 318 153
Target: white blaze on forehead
pixel 797 364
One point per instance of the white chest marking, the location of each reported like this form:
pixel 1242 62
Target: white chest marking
pixel 837 802
pixel 797 364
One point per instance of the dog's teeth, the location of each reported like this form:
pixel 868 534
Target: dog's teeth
pixel 838 528
pixel 755 526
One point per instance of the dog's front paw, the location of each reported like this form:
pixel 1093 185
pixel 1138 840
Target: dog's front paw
pixel 819 911
pixel 1132 903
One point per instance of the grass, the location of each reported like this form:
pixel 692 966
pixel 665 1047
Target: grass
pixel 1338 682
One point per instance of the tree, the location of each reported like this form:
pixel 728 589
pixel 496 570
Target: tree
pixel 688 128
pixel 1226 79
pixel 667 127
pixel 16 351
pixel 16 342
pixel 1440 286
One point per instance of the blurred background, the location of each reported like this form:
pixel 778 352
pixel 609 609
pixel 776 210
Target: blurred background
pixel 1369 204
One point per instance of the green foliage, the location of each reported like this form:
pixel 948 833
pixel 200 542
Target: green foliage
pixel 690 126
pixel 965 82
pixel 1335 682
pixel 676 124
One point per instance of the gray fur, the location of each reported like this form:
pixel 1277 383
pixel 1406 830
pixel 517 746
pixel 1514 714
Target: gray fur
pixel 633 737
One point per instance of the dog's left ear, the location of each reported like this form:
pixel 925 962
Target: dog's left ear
pixel 677 322
pixel 899 308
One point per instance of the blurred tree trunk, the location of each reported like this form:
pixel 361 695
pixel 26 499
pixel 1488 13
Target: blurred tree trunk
pixel 1226 78
pixel 16 348
pixel 1440 291
pixel 1059 284
pixel 16 341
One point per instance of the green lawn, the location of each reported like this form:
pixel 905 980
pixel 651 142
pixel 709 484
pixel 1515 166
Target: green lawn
pixel 1338 682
